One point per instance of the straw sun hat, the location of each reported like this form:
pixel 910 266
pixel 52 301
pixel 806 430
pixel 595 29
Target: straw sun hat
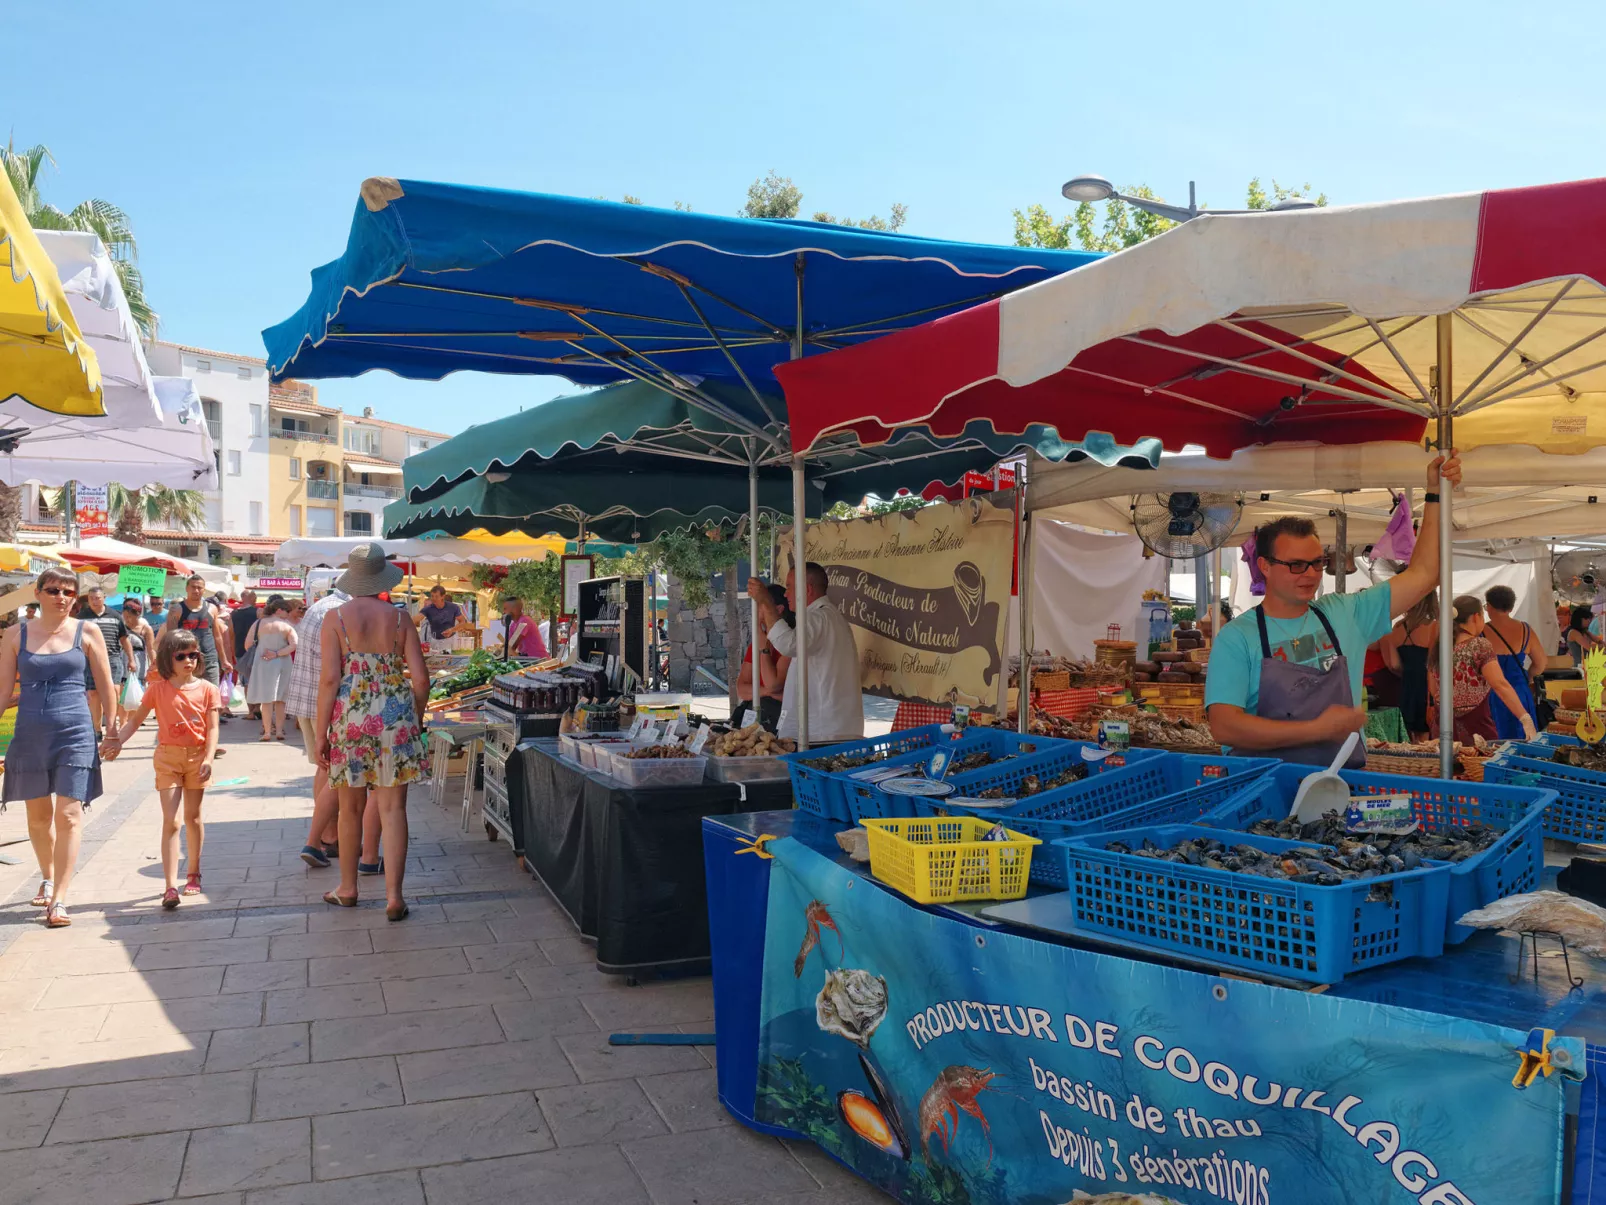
pixel 368 572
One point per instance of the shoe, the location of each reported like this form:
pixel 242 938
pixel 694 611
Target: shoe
pixel 330 897
pixel 170 899
pixel 192 884
pixel 395 912
pixel 47 891
pixel 371 867
pixel 315 857
pixel 56 916
pixel 331 849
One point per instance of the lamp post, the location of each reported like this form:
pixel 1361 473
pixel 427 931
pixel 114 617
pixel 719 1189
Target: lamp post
pixel 1092 189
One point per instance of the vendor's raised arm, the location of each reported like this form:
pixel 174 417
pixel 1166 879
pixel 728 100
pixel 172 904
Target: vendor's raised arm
pixel 1411 585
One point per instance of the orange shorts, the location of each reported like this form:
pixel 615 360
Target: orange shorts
pixel 179 766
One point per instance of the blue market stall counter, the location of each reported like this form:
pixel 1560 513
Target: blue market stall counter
pixel 947 1056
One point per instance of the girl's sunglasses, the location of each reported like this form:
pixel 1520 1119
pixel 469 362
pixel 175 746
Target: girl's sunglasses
pixel 59 591
pixel 186 656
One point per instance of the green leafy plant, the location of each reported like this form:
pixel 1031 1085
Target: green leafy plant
pixel 788 1097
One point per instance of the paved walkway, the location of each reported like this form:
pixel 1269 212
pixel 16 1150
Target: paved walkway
pixel 258 1046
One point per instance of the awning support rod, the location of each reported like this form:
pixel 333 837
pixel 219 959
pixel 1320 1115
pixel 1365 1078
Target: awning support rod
pixel 1444 391
pixel 800 583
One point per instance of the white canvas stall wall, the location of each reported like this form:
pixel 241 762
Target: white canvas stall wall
pixel 1083 581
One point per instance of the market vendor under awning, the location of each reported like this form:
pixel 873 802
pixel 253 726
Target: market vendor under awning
pixel 1285 677
pixel 836 704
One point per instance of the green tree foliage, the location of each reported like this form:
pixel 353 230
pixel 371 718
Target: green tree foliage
pixel 26 169
pixel 154 506
pixel 1122 225
pixel 776 196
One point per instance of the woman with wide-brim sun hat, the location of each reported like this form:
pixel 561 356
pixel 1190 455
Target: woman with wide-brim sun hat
pixel 53 762
pixel 372 691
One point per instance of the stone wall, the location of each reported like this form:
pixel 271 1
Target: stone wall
pixel 697 637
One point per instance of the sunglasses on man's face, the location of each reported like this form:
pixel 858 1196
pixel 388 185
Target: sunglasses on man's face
pixel 59 592
pixel 1297 567
pixel 186 656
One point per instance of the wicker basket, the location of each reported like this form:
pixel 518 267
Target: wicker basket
pixel 1194 713
pixel 1051 680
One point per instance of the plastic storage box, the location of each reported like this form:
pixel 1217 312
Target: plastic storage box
pixel 745 769
pixel 1579 813
pixel 657 771
pixel 943 860
pixel 1174 788
pixel 1246 922
pixel 1513 864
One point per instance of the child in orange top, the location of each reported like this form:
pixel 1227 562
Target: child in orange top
pixel 186 706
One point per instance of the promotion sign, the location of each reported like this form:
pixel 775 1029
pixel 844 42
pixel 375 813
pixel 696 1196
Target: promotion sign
pixel 141 579
pixel 949 1063
pixel 91 510
pixel 926 592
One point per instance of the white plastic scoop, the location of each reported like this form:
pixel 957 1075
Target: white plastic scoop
pixel 1324 791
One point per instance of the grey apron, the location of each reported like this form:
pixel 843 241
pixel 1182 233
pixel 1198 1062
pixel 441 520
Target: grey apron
pixel 1303 692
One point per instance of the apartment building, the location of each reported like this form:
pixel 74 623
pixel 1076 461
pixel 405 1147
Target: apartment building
pixel 333 474
pixel 234 395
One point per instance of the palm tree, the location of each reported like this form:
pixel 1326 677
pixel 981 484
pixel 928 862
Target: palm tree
pixel 26 171
pixel 184 510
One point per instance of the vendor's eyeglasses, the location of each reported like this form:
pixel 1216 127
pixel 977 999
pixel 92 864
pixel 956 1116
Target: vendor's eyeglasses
pixel 186 656
pixel 1296 567
pixel 60 592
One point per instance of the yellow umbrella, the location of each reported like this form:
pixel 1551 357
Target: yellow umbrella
pixel 21 558
pixel 516 544
pixel 44 358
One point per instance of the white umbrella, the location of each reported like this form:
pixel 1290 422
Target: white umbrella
pixel 449 554
pixel 152 432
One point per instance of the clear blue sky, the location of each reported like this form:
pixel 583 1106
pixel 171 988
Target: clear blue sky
pixel 236 135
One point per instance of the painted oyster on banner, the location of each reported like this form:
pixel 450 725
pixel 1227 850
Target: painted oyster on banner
pixel 1119 1198
pixel 852 1004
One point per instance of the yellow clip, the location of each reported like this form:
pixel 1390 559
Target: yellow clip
pixel 1535 1058
pixel 756 845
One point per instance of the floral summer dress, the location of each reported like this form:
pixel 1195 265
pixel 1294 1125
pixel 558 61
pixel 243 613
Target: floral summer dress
pixel 374 736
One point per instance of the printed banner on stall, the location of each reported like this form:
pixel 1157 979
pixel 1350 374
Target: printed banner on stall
pixel 90 510
pixel 953 1065
pixel 927 593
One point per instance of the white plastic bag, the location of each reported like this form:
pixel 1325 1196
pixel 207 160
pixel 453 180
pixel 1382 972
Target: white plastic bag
pixel 133 693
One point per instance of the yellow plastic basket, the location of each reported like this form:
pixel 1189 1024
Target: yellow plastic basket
pixel 943 860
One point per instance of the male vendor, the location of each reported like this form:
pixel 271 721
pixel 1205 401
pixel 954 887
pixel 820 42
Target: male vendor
pixel 1285 678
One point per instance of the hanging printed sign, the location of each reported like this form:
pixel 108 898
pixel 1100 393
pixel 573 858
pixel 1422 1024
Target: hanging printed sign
pixel 90 510
pixel 141 579
pixel 926 592
pixel 950 1063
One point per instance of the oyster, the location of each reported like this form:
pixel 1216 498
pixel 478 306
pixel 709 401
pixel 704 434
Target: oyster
pixel 852 1004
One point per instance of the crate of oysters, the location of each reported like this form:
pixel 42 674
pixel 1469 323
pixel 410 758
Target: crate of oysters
pixel 750 754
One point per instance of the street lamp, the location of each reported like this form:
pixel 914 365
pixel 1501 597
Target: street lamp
pixel 1096 188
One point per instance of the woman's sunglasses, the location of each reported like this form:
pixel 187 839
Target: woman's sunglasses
pixel 186 656
pixel 59 592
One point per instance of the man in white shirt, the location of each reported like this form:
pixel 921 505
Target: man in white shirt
pixel 836 705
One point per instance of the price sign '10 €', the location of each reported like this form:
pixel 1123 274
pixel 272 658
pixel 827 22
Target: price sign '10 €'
pixel 1591 727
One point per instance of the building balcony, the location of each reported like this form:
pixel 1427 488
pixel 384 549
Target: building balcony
pixel 388 493
pixel 215 427
pixel 303 436
pixel 329 490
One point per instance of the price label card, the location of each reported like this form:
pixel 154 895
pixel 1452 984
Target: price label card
pixel 937 764
pixel 1594 678
pixel 701 739
pixel 635 729
pixel 1115 734
pixel 1385 815
pixel 962 715
pixel 648 735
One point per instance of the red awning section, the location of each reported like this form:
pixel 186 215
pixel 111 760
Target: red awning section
pixel 1235 330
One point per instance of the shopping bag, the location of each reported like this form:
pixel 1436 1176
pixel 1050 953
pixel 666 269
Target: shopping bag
pixel 236 694
pixel 133 693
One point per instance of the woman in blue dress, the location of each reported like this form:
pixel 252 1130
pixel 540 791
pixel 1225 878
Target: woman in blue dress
pixel 53 762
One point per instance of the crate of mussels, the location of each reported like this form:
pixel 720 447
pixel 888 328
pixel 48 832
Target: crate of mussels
pixel 1286 909
pixel 1490 833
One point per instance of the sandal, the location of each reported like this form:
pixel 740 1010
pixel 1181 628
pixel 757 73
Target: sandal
pixel 192 884
pixel 330 897
pixel 264 738
pixel 47 892
pixel 170 899
pixel 56 916
pixel 395 912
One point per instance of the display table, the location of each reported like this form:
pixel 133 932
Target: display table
pixel 1471 1012
pixel 627 864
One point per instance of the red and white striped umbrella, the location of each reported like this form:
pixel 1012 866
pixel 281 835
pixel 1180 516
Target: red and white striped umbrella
pixel 1327 325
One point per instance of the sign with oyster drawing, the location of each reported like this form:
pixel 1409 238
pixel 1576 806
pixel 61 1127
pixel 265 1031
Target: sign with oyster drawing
pixel 927 593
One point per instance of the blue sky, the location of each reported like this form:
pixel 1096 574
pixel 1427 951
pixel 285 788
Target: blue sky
pixel 236 136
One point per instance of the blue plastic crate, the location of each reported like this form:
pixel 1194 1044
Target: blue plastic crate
pixel 1291 930
pixel 1053 756
pixel 1579 812
pixel 1513 864
pixel 1175 788
pixel 824 792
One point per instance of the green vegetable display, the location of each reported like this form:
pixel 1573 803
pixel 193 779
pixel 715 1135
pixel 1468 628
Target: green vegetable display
pixel 481 668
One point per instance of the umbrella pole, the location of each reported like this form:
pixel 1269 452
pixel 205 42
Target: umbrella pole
pixel 752 566
pixel 1445 435
pixel 800 584
pixel 1023 588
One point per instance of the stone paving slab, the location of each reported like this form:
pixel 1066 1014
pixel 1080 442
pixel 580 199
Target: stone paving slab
pixel 257 1047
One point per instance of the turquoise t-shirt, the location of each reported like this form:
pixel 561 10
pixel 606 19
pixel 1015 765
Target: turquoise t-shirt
pixel 1358 619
